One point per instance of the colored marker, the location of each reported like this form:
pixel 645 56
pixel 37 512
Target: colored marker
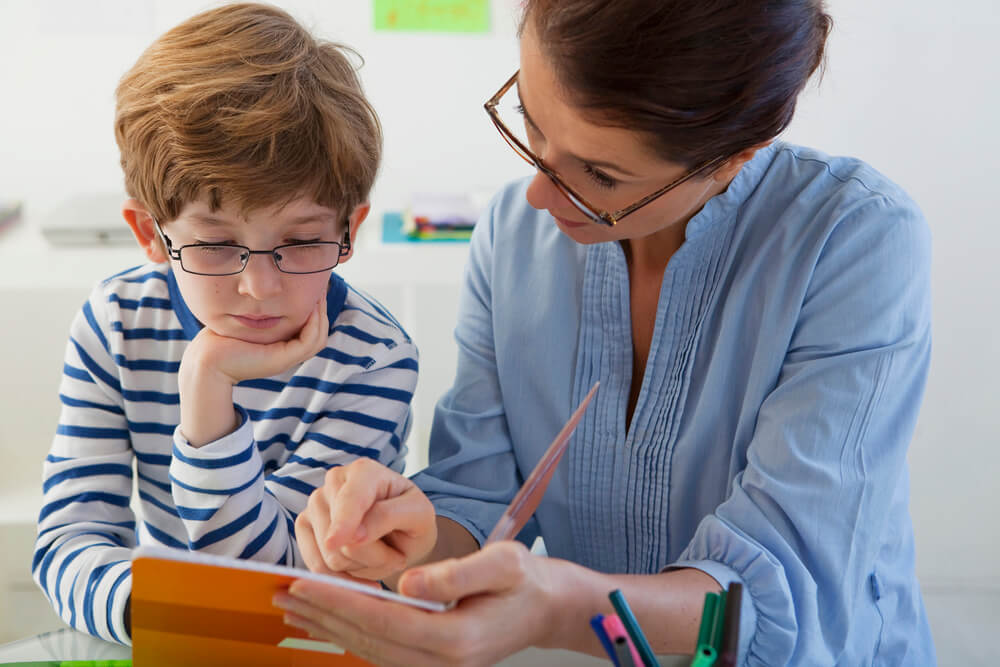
pixel 632 627
pixel 729 647
pixel 615 630
pixel 597 624
pixel 624 652
pixel 704 652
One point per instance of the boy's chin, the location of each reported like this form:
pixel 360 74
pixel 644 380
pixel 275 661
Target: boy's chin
pixel 257 337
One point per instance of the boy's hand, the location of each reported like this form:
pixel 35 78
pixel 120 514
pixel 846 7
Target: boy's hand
pixel 213 364
pixel 366 521
pixel 235 360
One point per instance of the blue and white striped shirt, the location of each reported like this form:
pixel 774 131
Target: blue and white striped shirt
pixel 237 496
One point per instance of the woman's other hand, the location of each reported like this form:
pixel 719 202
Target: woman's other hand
pixel 507 601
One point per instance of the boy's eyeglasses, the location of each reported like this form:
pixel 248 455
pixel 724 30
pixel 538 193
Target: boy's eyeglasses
pixel 224 259
pixel 520 146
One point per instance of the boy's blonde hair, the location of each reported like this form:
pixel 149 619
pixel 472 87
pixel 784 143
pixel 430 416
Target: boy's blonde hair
pixel 242 104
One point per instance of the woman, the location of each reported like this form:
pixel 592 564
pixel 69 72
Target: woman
pixel 758 316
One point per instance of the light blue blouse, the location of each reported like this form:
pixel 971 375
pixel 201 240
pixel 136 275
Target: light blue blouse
pixel 768 445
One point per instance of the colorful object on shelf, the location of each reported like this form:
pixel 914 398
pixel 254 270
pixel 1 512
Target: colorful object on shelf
pixel 458 16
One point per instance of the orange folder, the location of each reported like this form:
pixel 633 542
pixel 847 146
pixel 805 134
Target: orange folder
pixel 193 609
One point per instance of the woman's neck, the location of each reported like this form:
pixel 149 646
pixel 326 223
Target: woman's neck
pixel 652 253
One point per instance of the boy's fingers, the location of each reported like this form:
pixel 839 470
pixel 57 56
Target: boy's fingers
pixel 410 513
pixel 312 554
pixel 308 547
pixel 363 483
pixel 376 560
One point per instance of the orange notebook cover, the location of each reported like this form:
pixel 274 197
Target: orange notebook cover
pixel 196 609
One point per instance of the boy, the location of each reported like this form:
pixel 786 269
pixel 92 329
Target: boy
pixel 236 369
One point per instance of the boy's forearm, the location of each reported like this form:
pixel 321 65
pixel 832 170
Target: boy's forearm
pixel 207 411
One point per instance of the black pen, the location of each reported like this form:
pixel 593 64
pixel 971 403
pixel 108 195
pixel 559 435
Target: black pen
pixel 729 647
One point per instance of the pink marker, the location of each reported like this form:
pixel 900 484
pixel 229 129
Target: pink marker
pixel 614 628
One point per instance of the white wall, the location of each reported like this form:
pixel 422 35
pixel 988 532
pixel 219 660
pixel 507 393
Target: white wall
pixel 911 86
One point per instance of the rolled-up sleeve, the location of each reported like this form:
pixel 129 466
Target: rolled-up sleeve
pixel 805 519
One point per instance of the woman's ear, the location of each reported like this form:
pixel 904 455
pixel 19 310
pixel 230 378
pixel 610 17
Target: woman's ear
pixel 357 216
pixel 141 222
pixel 730 167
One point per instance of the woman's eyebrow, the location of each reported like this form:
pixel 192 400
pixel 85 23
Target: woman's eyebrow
pixel 603 164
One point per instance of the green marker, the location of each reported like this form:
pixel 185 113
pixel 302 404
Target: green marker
pixel 704 652
pixel 704 656
pixel 720 620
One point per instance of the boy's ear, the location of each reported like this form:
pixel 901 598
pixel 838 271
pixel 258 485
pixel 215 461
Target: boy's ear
pixel 141 222
pixel 357 216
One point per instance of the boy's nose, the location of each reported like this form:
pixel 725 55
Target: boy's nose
pixel 261 279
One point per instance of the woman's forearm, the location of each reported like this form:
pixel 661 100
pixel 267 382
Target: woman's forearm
pixel 667 606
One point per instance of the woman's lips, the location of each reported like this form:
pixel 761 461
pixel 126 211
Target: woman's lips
pixel 257 321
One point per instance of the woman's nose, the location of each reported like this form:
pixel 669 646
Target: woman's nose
pixel 544 194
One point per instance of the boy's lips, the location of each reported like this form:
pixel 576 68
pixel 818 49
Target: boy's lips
pixel 257 321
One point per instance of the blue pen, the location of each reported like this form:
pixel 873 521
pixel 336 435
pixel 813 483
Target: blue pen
pixel 597 623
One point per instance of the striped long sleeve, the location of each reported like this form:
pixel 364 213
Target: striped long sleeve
pixel 237 496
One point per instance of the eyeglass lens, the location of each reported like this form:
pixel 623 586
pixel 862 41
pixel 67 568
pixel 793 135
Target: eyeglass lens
pixel 227 259
pixel 517 134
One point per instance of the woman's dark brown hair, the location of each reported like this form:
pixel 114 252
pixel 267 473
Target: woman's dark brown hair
pixel 701 78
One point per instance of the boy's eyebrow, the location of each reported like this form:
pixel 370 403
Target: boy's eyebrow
pixel 210 219
pixel 596 163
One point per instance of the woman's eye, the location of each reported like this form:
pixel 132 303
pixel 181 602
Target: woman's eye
pixel 600 177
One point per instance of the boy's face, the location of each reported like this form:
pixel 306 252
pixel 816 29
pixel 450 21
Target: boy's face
pixel 261 304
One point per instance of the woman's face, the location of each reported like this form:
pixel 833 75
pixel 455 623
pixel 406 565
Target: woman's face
pixel 611 167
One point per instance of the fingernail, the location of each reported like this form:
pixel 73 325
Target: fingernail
pixel 360 534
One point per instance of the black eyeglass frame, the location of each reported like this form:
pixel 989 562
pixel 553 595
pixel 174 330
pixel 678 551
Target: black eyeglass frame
pixel 175 253
pixel 596 214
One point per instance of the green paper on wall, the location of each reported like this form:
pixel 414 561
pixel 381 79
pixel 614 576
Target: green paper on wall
pixel 432 15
